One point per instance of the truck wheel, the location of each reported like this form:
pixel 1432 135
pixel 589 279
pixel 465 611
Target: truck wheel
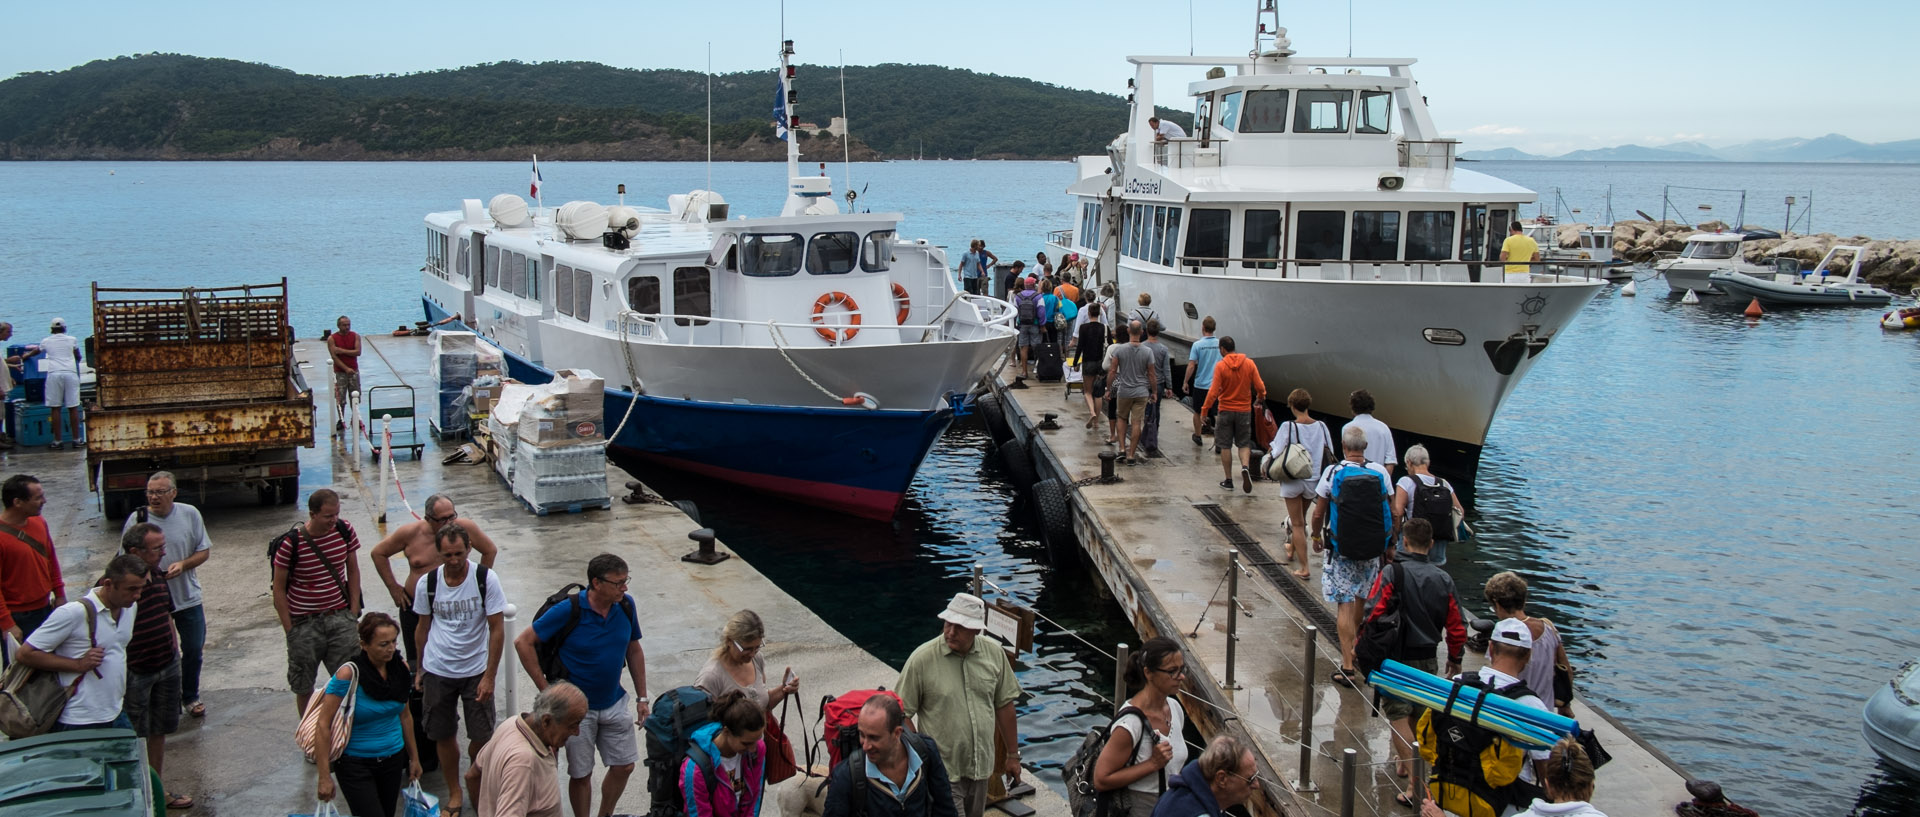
pixel 116 505
pixel 289 488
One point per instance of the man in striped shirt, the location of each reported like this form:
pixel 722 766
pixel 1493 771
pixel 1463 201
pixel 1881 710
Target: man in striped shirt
pixel 316 592
pixel 153 656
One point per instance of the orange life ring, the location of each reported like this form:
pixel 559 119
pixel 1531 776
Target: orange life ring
pixel 903 302
pixel 836 334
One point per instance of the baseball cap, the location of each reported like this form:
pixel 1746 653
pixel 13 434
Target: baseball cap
pixel 59 323
pixel 1513 632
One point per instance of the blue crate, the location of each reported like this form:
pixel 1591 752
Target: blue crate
pixel 29 423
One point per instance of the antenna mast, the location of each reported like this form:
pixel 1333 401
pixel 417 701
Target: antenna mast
pixel 709 115
pixel 846 139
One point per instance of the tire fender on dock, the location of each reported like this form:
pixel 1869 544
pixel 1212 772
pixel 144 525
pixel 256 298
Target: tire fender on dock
pixel 995 416
pixel 1018 464
pixel 1053 516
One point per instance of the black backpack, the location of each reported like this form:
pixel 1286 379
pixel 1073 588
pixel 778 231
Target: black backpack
pixel 1083 800
pixel 548 650
pixel 1433 503
pixel 1362 512
pixel 433 588
pixel 1029 308
pixel 669 733
pixel 1383 636
pixel 860 789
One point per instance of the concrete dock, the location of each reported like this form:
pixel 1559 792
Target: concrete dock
pixel 240 759
pixel 1160 537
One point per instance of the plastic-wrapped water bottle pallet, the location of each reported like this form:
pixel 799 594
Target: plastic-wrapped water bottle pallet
pixel 567 507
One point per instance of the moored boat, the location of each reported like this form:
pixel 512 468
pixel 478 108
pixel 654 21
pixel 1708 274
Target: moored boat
pixel 1813 288
pixel 1709 253
pixel 1891 720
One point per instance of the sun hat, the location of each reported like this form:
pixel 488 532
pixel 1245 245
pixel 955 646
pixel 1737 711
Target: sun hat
pixel 1513 632
pixel 966 610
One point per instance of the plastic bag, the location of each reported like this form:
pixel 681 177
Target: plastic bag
pixel 323 808
pixel 418 802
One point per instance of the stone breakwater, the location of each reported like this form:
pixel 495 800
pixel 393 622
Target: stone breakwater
pixel 1890 263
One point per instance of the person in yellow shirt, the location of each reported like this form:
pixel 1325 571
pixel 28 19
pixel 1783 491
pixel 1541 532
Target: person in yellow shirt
pixel 1518 249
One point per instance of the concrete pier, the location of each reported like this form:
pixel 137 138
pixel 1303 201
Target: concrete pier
pixel 240 760
pixel 1160 540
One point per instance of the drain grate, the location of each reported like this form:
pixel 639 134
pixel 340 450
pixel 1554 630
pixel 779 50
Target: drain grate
pixel 1275 573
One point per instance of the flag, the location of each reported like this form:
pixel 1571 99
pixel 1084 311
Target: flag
pixel 779 109
pixel 533 189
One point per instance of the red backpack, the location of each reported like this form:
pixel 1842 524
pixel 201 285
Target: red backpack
pixel 839 723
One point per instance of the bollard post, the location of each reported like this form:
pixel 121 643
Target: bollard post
pixel 1420 771
pixel 1347 771
pixel 1120 654
pixel 386 465
pixel 1233 614
pixel 979 579
pixel 513 708
pixel 1106 467
pixel 1305 781
pixel 705 555
pixel 353 431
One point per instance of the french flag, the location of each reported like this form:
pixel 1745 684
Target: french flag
pixel 533 189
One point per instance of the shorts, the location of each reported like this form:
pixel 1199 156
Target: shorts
pixel 1296 488
pixel 1029 336
pixel 446 700
pixel 609 730
pixel 153 700
pixel 1345 580
pixel 1197 398
pixel 63 390
pixel 1233 428
pixel 1131 410
pixel 329 639
pixel 345 383
pixel 1395 709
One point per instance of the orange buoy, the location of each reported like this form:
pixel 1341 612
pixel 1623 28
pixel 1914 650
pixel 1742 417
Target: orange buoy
pixel 1753 309
pixel 836 334
pixel 902 302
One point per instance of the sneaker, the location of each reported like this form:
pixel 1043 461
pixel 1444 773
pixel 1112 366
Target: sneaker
pixel 1196 440
pixel 1227 484
pixel 1246 480
pixel 54 446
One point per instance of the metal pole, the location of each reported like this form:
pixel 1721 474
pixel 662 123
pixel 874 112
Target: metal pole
pixel 1305 783
pixel 1120 655
pixel 1346 782
pixel 979 579
pixel 1233 613
pixel 353 431
pixel 513 707
pixel 386 465
pixel 1419 772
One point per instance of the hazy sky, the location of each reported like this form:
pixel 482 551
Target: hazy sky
pixel 1543 77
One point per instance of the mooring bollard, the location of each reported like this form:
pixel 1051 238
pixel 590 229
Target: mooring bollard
pixel 353 431
pixel 386 464
pixel 979 580
pixel 512 707
pixel 1347 771
pixel 1106 466
pixel 706 555
pixel 1120 656
pixel 1305 783
pixel 1233 613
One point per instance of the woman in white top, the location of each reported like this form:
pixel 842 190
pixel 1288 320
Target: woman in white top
pixel 1569 783
pixel 736 664
pixel 1314 436
pixel 1134 769
pixel 1419 471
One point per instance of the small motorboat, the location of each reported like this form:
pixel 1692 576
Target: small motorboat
pixel 1789 285
pixel 1908 318
pixel 1891 721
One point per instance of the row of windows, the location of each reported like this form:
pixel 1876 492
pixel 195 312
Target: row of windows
pixel 1316 111
pixel 437 252
pixel 692 294
pixel 573 292
pixel 1090 225
pixel 1148 232
pixel 771 255
pixel 513 272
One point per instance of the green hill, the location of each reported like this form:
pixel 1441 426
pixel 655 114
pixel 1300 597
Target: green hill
pixel 170 106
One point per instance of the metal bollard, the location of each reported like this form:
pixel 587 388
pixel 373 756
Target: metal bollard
pixel 1347 771
pixel 386 464
pixel 1106 467
pixel 979 579
pixel 1305 782
pixel 706 555
pixel 1233 614
pixel 513 708
pixel 1120 654
pixel 353 431
pixel 1420 771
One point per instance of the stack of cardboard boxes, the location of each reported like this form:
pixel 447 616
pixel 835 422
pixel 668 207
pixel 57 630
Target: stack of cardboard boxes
pixel 548 442
pixel 459 360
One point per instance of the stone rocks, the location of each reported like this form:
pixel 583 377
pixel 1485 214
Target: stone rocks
pixel 1891 264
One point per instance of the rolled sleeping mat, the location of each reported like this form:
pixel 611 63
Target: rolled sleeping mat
pixel 1523 725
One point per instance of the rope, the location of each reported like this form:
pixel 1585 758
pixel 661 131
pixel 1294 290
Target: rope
pixel 393 470
pixel 368 339
pixel 779 344
pixel 1209 606
pixel 633 372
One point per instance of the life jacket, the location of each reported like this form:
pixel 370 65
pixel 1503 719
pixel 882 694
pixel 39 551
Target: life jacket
pixel 1476 772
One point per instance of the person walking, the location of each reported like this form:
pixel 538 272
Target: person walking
pixel 188 547
pixel 1148 736
pixel 1569 784
pixel 959 689
pixel 380 753
pixel 1358 538
pixel 1379 438
pixel 1465 757
pixel 1133 384
pixel 1163 378
pixel 461 608
pixel 1421 494
pixel 86 641
pixel 1030 315
pixel 343 346
pixel 737 664
pixel 1108 362
pixel 415 540
pixel 974 265
pixel 1090 348
pixel 1144 312
pixel 1547 662
pixel 1201 357
pixel 1314 436
pixel 895 772
pixel 518 775
pixel 316 593
pixel 1224 776
pixel 152 700
pixel 6 386
pixel 604 638
pixel 62 367
pixel 30 584
pixel 1424 595
pixel 728 775
pixel 1236 388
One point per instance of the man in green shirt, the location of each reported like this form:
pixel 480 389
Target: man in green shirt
pixel 959 689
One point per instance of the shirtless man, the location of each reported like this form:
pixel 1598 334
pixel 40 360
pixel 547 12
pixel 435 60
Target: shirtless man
pixel 415 539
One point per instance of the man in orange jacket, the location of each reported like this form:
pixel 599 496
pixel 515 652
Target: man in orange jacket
pixel 1236 387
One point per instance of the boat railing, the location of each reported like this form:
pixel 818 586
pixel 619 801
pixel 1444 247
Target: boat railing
pixel 1436 154
pixel 1060 238
pixel 1186 152
pixel 966 318
pixel 1441 272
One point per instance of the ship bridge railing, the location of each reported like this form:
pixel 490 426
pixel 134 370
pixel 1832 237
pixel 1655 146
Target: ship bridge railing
pixel 1430 272
pixel 1436 154
pixel 966 318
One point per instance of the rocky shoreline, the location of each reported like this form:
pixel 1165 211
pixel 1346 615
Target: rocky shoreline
pixel 1893 264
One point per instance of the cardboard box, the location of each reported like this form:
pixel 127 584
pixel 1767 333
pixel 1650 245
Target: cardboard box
pixel 551 431
pixel 579 381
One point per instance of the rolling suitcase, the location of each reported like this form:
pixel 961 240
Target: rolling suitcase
pixel 1047 364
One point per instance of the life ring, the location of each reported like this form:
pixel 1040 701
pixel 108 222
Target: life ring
pixel 903 302
pixel 836 334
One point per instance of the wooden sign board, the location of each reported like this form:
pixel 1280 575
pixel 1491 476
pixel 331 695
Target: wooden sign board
pixel 1011 624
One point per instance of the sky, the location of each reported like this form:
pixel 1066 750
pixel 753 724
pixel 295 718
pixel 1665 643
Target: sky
pixel 1542 77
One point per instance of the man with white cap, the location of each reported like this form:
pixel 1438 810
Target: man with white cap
pixel 959 689
pixel 63 380
pixel 1463 753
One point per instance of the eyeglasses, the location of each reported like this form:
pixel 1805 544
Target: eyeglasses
pixel 744 649
pixel 437 521
pixel 1178 672
pixel 1252 780
pixel 620 583
pixel 160 492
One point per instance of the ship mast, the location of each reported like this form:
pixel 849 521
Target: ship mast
pixel 806 195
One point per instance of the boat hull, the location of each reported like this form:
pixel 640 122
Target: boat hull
pixel 1891 727
pixel 1773 292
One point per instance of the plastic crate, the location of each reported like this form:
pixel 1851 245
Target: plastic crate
pixel 30 423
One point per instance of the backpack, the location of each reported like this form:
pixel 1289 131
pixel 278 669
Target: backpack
pixel 1083 800
pixel 1383 636
pixel 548 650
pixel 1295 462
pixel 293 538
pixel 1475 771
pixel 839 723
pixel 857 775
pixel 1029 308
pixel 1433 503
pixel 1362 513
pixel 433 587
pixel 669 731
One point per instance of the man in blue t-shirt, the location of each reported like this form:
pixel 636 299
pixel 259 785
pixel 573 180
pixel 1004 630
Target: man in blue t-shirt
pixel 1200 360
pixel 606 637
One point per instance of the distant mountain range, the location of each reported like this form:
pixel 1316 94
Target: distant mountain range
pixel 1829 148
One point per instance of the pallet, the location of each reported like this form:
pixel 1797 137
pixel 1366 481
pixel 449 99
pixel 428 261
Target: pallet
pixel 566 507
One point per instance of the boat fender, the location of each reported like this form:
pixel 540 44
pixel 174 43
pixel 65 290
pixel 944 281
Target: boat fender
pixel 1629 290
pixel 902 302
pixel 1690 298
pixel 1753 309
pixel 836 334
pixel 860 399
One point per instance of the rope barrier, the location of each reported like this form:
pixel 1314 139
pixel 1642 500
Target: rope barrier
pixel 393 470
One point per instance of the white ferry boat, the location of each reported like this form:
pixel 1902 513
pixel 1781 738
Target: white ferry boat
pixel 814 355
pixel 1318 217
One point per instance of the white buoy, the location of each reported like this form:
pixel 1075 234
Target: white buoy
pixel 1629 290
pixel 1690 298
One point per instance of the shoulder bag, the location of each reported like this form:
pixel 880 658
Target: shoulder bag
pixel 31 700
pixel 304 735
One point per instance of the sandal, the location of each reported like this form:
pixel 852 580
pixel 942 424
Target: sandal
pixel 179 801
pixel 1344 677
pixel 1302 575
pixel 1406 801
pixel 197 709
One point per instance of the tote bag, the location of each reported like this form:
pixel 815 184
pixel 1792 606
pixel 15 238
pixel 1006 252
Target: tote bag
pixel 342 720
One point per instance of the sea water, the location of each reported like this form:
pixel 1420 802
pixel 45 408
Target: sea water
pixel 1717 512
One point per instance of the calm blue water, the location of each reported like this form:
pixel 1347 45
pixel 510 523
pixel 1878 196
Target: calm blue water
pixel 1719 514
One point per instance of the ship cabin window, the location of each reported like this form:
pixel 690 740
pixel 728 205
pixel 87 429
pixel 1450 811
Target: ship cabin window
pixel 1261 237
pixel 563 289
pixel 1230 111
pixel 832 253
pixel 1317 234
pixel 876 252
pixel 643 294
pixel 491 263
pixel 573 292
pixel 513 273
pixel 1711 249
pixel 1172 234
pixel 1322 112
pixel 437 252
pixel 1376 235
pixel 1130 231
pixel 693 292
pixel 1207 237
pixel 1266 112
pixel 460 260
pixel 768 256
pixel 1429 235
pixel 1150 233
pixel 532 279
pixel 1157 242
pixel 1376 112
pixel 1090 225
pixel 583 295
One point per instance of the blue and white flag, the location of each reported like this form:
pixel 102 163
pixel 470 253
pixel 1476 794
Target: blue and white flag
pixel 779 109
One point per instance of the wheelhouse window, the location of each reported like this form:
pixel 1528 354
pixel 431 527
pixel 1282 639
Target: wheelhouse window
pixel 1429 235
pixel 1376 112
pixel 766 256
pixel 1266 112
pixel 1322 112
pixel 832 253
pixel 1317 234
pixel 1172 236
pixel 1207 237
pixel 1157 240
pixel 876 252
pixel 1711 249
pixel 693 293
pixel 563 289
pixel 491 264
pixel 1376 235
pixel 643 294
pixel 1230 111
pixel 460 261
pixel 582 295
pixel 1260 237
pixel 1090 225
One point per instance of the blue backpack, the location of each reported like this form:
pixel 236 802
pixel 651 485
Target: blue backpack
pixel 1362 512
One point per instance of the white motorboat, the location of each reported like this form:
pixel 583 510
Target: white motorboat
pixel 1708 253
pixel 1815 287
pixel 1891 720
pixel 814 355
pixel 1318 216
pixel 1593 248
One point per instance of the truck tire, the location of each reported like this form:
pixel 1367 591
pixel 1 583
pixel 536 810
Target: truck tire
pixel 116 505
pixel 289 489
pixel 1051 512
pixel 995 415
pixel 1019 466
